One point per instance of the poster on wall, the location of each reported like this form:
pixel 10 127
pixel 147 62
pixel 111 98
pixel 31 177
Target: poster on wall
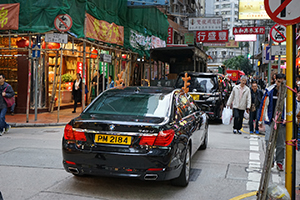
pixel 252 9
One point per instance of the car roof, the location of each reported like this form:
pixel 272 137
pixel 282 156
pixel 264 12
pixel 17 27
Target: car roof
pixel 143 90
pixel 198 74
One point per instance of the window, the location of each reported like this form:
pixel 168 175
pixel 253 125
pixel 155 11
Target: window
pixel 226 6
pixel 217 6
pixel 217 13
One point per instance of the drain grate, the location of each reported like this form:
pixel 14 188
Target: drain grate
pixel 194 174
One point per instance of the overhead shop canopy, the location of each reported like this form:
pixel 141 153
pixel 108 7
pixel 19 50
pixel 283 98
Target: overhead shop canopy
pixel 172 54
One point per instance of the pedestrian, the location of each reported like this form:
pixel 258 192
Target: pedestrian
pixel 298 106
pixel 240 100
pixel 267 112
pixel 256 96
pixel 100 83
pixel 76 91
pixel 111 83
pixel 6 91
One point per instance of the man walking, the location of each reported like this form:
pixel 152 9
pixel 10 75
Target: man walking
pixel 240 97
pixel 256 96
pixel 267 113
pixel 6 91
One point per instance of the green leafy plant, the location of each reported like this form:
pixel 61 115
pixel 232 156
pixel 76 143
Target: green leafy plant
pixel 66 78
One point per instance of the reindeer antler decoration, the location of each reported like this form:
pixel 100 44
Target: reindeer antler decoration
pixel 186 78
pixel 120 80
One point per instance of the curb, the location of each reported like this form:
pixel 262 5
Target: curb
pixel 37 124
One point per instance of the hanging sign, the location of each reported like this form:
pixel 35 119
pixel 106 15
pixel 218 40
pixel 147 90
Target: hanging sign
pixel 56 37
pixel 248 30
pixel 283 12
pixel 63 22
pixel 212 36
pixel 204 23
pixel 278 50
pixel 170 36
pixel 278 33
pixel 9 16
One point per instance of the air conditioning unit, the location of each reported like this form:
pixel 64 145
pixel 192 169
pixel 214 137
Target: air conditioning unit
pixel 186 24
pixel 184 9
pixel 193 6
pixel 177 20
pixel 175 2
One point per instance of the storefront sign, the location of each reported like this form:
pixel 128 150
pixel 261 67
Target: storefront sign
pixel 212 36
pixel 170 36
pixel 248 30
pixel 104 31
pixel 189 38
pixel 9 16
pixel 139 41
pixel 245 38
pixel 249 9
pixel 56 37
pixel 196 24
pixel 156 42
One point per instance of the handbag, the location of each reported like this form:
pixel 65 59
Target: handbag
pixel 252 107
pixel 9 101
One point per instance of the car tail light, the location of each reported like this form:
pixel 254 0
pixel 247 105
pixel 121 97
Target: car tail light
pixel 71 163
pixel 155 169
pixel 164 138
pixel 147 140
pixel 70 134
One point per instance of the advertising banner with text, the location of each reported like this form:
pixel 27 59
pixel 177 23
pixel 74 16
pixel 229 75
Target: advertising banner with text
pixel 9 16
pixel 248 30
pixel 104 31
pixel 252 9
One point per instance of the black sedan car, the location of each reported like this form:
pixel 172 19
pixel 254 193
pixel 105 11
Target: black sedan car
pixel 149 133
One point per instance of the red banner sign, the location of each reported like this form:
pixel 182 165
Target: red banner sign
pixel 104 31
pixel 170 36
pixel 9 16
pixel 248 30
pixel 212 36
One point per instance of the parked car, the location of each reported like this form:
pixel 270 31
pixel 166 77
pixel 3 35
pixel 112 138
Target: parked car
pixel 149 133
pixel 207 91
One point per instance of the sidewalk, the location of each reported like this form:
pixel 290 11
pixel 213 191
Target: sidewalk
pixel 43 119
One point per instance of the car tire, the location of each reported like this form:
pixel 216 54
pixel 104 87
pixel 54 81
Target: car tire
pixel 205 141
pixel 183 179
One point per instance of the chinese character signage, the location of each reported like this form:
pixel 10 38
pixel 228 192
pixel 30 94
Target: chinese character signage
pixel 170 36
pixel 248 30
pixel 9 16
pixel 212 36
pixel 104 31
pixel 252 9
pixel 196 24
pixel 189 38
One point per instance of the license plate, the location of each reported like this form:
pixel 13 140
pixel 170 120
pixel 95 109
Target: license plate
pixel 195 96
pixel 112 139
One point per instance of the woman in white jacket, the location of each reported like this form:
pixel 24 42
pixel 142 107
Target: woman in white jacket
pixel 239 100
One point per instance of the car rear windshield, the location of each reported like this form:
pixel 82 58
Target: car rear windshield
pixel 125 107
pixel 206 84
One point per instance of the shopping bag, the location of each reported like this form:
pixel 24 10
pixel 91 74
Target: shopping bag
pixel 246 115
pixel 226 116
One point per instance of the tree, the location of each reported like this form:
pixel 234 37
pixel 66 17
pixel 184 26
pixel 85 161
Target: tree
pixel 239 63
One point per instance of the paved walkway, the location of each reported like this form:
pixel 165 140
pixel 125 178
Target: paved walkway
pixel 43 119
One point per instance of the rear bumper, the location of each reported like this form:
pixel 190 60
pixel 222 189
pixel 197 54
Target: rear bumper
pixel 123 165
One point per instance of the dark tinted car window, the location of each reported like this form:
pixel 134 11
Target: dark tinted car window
pixel 123 105
pixel 207 84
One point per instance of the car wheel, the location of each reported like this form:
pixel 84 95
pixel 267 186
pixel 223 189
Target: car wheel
pixel 183 179
pixel 205 141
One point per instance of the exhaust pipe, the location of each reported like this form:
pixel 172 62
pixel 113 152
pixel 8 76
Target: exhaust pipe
pixel 151 177
pixel 73 170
